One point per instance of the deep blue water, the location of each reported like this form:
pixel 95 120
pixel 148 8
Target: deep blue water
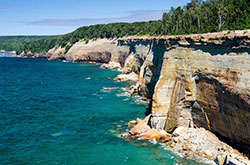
pixel 57 113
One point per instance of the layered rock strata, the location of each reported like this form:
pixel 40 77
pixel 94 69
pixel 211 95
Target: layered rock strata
pixel 197 87
pixel 197 81
pixel 193 81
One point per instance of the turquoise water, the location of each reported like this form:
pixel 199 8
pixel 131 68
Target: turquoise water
pixel 57 113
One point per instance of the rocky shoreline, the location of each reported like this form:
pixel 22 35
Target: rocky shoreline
pixel 193 143
pixel 198 86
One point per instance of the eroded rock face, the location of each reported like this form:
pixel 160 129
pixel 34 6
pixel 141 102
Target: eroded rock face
pixel 127 77
pixel 100 50
pixel 145 59
pixel 132 64
pixel 193 81
pixel 32 55
pixel 196 81
pixel 200 80
pixel 230 106
pixel 111 65
pixel 217 91
pixel 56 53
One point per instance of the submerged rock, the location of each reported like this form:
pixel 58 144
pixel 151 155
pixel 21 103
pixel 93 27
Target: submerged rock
pixel 63 133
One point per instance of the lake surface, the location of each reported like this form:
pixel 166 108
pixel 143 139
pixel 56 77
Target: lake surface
pixel 58 113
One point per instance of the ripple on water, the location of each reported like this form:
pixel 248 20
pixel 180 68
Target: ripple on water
pixel 51 113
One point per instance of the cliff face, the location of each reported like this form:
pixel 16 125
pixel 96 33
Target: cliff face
pixel 146 60
pixel 100 50
pixel 196 81
pixel 197 89
pixel 192 81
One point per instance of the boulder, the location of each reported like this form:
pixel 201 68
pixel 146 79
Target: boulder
pixel 232 159
pixel 125 135
pixel 180 130
pixel 128 77
pixel 111 65
pixel 186 147
pixel 153 134
pixel 131 123
pixel 141 126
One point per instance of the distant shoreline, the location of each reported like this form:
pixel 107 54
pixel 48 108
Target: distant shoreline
pixel 4 53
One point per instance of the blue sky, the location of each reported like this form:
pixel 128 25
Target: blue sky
pixel 51 17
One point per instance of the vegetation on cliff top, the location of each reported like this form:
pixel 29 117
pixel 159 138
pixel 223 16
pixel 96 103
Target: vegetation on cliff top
pixel 196 17
pixel 10 43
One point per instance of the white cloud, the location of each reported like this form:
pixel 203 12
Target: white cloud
pixel 134 16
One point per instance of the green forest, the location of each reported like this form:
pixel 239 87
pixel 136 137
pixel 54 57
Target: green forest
pixel 195 17
pixel 10 43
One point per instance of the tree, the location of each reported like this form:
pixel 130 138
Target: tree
pixel 196 17
pixel 221 13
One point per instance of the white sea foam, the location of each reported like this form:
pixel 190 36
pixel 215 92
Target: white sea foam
pixel 153 141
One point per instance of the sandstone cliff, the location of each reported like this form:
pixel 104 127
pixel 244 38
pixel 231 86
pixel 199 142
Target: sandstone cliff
pixel 197 81
pixel 100 50
pixel 200 80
